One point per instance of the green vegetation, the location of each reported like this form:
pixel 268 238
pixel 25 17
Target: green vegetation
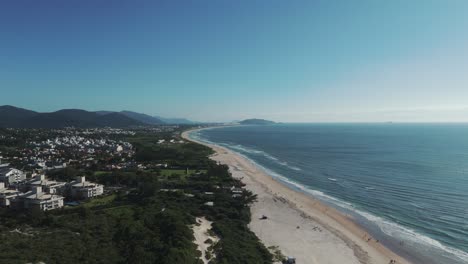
pixel 277 255
pixel 188 155
pixel 146 219
pixel 100 201
pixel 169 172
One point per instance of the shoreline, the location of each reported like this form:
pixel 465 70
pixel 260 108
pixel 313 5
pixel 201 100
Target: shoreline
pixel 298 224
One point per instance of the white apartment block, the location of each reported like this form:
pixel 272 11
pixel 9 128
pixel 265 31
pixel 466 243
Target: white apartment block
pixel 10 175
pixel 36 199
pixel 82 189
pixel 48 186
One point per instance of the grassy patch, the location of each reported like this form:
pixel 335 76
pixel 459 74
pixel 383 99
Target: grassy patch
pixel 100 201
pixel 99 173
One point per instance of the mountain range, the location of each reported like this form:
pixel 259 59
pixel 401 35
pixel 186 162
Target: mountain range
pixel 15 117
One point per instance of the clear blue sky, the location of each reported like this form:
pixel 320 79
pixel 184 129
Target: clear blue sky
pixel 215 60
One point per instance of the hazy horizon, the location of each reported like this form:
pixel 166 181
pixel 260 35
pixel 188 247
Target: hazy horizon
pixel 217 61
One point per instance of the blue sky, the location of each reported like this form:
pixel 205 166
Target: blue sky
pixel 214 60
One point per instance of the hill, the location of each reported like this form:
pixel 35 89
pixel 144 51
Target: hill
pixel 78 118
pixel 22 118
pixel 255 121
pixel 147 119
pixel 15 117
pixel 118 120
pixel 11 116
pixel 176 121
pixel 103 112
pixel 152 120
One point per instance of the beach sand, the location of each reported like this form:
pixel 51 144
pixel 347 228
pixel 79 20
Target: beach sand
pixel 201 234
pixel 299 225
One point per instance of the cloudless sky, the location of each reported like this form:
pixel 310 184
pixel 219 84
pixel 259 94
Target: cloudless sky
pixel 215 60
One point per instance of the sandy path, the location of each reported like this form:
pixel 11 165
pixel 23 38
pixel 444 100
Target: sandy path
pixel 200 232
pixel 299 225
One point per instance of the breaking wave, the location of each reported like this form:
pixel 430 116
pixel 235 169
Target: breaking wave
pixel 252 151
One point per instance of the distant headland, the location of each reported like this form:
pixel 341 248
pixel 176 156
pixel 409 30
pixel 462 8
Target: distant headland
pixel 256 121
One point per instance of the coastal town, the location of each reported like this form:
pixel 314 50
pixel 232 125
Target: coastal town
pixel 58 184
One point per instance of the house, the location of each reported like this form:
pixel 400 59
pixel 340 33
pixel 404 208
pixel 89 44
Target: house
pixel 237 190
pixel 6 195
pixel 119 148
pixel 82 189
pixel 10 175
pixel 56 167
pixel 37 199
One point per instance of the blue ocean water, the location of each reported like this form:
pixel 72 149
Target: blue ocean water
pixel 406 183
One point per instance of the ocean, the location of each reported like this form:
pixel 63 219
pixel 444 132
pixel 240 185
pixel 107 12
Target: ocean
pixel 405 183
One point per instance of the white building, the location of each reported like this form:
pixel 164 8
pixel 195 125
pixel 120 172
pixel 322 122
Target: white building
pixel 6 195
pixel 48 186
pixel 10 175
pixel 36 199
pixel 82 189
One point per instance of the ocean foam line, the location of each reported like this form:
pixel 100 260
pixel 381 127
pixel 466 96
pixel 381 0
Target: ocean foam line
pixel 253 151
pixel 387 227
pixel 197 136
pixel 394 230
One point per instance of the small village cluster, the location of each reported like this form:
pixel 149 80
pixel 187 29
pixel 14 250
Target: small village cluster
pixel 38 192
pixel 56 153
pixel 55 149
pixel 173 141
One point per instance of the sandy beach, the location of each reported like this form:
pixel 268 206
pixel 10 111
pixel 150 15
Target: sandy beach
pixel 299 225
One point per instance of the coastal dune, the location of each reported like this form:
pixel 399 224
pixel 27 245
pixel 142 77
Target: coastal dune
pixel 299 225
